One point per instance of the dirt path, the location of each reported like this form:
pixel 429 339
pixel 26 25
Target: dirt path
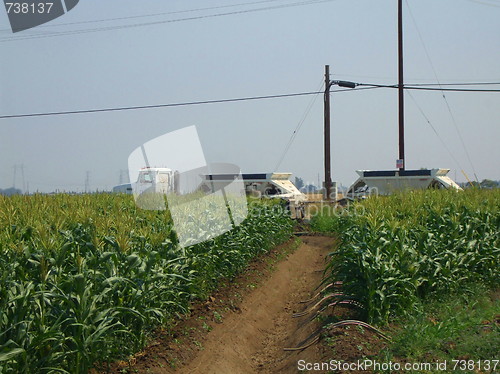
pixel 252 341
pixel 244 326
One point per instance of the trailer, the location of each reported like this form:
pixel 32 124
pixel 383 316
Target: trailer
pixel 154 180
pixel 385 182
pixel 262 185
pixel 123 188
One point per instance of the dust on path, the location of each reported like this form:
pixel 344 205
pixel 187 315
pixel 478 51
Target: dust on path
pixel 252 341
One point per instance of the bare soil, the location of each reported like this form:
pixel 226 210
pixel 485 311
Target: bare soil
pixel 245 326
pixel 252 341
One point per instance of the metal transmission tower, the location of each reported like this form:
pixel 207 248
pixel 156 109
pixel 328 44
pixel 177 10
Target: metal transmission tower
pixel 87 182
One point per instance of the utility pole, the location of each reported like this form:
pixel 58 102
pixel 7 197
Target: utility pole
pixel 328 170
pixel 328 166
pixel 401 160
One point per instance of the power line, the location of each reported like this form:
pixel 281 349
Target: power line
pixel 299 125
pixel 118 109
pixel 414 87
pixel 153 14
pixel 372 77
pixel 483 2
pixel 434 129
pixel 138 107
pixel 110 28
pixel 361 86
pixel 448 89
pixel 453 120
pixel 456 84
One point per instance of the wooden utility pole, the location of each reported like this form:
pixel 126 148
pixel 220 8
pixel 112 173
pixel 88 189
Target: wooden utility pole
pixel 328 166
pixel 328 171
pixel 401 86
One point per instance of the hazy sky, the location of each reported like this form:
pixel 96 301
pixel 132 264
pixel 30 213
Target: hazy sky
pixel 166 58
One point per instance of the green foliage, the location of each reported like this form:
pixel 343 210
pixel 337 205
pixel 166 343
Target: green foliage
pixel 84 278
pixel 396 251
pixel 456 325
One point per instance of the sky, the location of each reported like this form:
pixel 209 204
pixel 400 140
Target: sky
pixel 121 53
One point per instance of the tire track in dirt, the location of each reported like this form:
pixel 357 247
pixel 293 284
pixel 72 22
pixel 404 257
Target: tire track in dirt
pixel 252 341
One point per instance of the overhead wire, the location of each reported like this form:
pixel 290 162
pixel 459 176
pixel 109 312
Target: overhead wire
pixel 456 84
pixel 152 14
pixel 299 125
pixel 453 120
pixel 447 89
pixel 415 87
pixel 155 106
pixel 483 2
pixel 434 129
pixel 360 87
pixel 120 27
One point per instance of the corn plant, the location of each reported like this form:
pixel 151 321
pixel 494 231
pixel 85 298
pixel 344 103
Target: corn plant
pixel 408 247
pixel 84 279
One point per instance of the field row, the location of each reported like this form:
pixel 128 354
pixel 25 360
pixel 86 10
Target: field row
pixel 396 251
pixel 83 279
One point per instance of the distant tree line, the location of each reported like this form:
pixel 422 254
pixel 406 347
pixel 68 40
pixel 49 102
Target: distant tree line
pixel 10 191
pixel 485 183
pixel 306 188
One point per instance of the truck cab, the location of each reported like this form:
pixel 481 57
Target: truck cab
pixel 155 180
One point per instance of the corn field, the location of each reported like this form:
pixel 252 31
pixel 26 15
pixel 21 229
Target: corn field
pixel 395 251
pixel 83 279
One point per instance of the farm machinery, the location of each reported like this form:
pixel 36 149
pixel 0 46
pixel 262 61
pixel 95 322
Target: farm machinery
pixel 259 185
pixel 385 182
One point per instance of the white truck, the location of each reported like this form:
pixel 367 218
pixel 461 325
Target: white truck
pixel 264 185
pixel 268 185
pixel 157 180
pixel 385 182
pixel 149 179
